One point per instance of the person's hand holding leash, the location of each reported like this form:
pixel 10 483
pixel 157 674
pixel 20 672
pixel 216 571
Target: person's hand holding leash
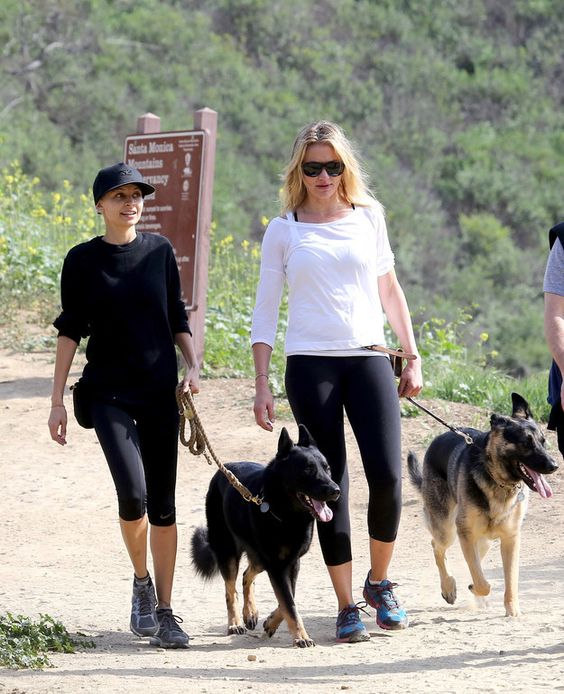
pixel 411 380
pixel 191 380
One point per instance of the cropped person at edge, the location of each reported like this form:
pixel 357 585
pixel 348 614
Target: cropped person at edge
pixel 122 290
pixel 330 245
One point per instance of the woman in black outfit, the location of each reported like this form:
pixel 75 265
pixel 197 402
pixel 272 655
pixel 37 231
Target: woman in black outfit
pixel 122 291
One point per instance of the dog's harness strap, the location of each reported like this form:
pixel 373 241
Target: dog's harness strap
pixel 198 442
pixel 469 440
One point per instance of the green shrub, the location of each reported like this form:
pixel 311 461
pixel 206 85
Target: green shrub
pixel 25 643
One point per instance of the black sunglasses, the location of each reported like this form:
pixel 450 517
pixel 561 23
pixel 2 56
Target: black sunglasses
pixel 314 168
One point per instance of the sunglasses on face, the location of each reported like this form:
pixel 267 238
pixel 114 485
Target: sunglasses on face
pixel 314 168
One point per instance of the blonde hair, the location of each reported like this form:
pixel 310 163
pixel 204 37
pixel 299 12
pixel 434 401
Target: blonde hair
pixel 353 185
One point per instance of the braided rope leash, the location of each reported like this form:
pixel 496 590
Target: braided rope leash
pixel 199 444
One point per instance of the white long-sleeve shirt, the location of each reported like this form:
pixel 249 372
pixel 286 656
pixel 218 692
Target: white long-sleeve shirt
pixel 331 270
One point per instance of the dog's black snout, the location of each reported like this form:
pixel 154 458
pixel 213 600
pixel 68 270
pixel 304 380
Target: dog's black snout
pixel 334 494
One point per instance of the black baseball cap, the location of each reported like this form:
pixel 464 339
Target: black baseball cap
pixel 118 175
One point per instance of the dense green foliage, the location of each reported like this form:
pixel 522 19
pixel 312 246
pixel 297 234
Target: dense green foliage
pixel 456 108
pixel 25 643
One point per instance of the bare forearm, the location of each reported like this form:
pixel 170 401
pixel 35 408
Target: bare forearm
pixel 396 309
pixel 261 356
pixel 186 345
pixel 66 349
pixel 264 402
pixel 191 380
pixel 554 326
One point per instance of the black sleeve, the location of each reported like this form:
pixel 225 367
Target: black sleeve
pixel 72 322
pixel 176 308
pixel 557 232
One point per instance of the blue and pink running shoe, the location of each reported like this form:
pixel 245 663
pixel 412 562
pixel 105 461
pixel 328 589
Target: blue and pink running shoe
pixel 350 628
pixel 389 614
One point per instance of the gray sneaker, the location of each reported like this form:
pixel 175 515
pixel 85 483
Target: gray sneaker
pixel 169 635
pixel 144 620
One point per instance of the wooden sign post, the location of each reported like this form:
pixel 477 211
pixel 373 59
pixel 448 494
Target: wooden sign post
pixel 181 165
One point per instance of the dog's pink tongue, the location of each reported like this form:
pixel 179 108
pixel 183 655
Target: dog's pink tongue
pixel 324 513
pixel 541 485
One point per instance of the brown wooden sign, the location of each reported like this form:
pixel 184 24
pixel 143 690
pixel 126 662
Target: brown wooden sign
pixel 172 162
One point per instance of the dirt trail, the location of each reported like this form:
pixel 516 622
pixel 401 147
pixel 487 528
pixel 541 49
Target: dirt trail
pixel 61 554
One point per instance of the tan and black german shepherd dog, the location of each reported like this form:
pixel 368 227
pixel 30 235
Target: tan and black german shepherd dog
pixel 481 492
pixel 295 486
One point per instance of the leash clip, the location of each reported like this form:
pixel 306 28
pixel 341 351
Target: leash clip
pixel 469 440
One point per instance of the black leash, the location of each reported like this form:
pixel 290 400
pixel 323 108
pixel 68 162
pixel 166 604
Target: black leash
pixel 469 440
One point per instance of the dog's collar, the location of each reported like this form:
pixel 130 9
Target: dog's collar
pixel 502 485
pixel 513 487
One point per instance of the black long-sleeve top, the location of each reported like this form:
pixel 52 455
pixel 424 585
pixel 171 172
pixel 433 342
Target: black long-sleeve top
pixel 127 300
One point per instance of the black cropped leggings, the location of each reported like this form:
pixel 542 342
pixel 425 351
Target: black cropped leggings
pixel 140 443
pixel 320 389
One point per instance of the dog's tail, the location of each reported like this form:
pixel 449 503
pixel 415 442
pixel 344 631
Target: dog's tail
pixel 203 556
pixel 414 469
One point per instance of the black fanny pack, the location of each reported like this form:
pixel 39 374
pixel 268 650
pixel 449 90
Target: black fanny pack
pixel 82 404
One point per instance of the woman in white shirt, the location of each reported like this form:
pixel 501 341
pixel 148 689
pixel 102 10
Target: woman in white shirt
pixel 330 245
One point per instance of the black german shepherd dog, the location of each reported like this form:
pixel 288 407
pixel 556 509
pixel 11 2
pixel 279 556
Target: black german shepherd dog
pixel 480 492
pixel 295 487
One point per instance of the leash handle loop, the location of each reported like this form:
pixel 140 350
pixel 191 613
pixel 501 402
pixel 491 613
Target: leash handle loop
pixel 392 352
pixel 396 356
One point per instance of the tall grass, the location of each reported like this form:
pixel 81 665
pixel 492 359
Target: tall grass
pixel 37 229
pixel 233 276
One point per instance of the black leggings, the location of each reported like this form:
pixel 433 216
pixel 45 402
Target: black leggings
pixel 140 443
pixel 320 390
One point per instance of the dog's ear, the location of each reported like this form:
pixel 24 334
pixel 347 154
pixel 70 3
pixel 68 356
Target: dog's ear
pixel 305 438
pixel 498 421
pixel 520 407
pixel 285 443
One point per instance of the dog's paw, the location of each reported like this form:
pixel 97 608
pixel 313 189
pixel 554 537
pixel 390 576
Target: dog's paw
pixel 512 610
pixel 269 627
pixel 480 591
pixel 251 620
pixel 236 629
pixel 448 590
pixel 304 643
